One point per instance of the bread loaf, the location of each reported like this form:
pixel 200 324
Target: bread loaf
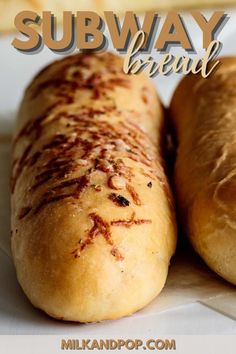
pixel 93 225
pixel 203 115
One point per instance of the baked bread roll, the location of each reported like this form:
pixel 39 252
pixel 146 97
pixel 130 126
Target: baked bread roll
pixel 93 226
pixel 203 114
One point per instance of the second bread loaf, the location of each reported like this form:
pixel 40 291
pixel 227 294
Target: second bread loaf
pixel 203 114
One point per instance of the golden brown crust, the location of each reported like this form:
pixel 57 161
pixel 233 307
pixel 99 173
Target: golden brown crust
pixel 92 216
pixel 204 119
